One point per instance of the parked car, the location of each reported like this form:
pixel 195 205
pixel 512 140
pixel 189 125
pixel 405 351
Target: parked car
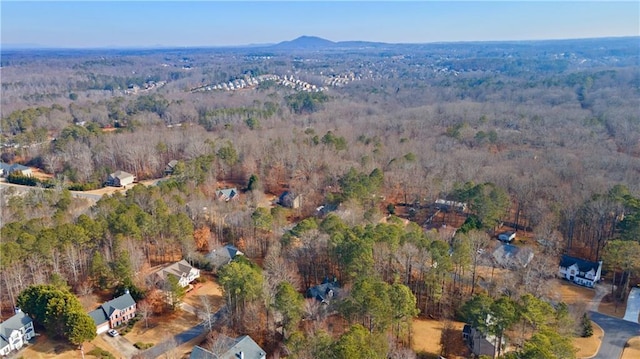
pixel 113 332
pixel 507 236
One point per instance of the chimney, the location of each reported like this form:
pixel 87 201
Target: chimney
pixel 126 291
pixel 17 310
pixel 241 355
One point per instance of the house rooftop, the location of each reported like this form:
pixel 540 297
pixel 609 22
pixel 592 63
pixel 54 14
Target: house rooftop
pixel 230 349
pixel 583 265
pixel 16 322
pixel 105 310
pixel 178 269
pixel 222 255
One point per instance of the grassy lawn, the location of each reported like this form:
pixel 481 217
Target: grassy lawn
pixel 45 348
pixel 209 289
pixel 588 347
pixel 572 293
pixel 632 349
pixel 161 327
pixel 426 335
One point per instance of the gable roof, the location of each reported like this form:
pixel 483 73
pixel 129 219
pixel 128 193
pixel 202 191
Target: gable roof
pixel 104 312
pixel 322 291
pixel 508 255
pixel 16 322
pixel 583 265
pixel 121 175
pixel 7 168
pixel 178 269
pixel 228 193
pixel 231 349
pixel 222 255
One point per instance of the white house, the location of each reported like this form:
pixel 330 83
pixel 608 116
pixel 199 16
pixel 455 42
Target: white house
pixel 580 271
pixel 14 332
pixel 7 169
pixel 182 270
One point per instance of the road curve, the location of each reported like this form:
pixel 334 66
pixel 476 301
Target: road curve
pixel 616 334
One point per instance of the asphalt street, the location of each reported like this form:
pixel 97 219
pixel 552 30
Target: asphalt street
pixel 616 334
pixel 179 339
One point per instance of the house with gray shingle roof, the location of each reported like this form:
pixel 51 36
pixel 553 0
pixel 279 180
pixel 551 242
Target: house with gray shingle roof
pixel 183 271
pixel 114 313
pixel 14 332
pixel 240 348
pixel 227 194
pixel 223 255
pixel 120 179
pixel 7 169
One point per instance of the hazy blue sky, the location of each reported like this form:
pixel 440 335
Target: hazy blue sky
pixel 211 23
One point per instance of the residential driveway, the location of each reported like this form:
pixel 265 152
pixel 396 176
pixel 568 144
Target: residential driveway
pixel 124 347
pixel 181 338
pixel 189 308
pixel 601 290
pixel 616 334
pixel 633 306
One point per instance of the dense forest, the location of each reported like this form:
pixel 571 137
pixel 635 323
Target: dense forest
pixel 539 137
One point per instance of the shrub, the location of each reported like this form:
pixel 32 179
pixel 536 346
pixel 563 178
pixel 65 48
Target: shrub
pixel 143 346
pixel 101 353
pixel 587 327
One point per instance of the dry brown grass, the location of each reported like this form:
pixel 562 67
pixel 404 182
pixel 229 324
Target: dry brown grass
pixel 612 307
pixel 209 289
pixel 426 335
pixel 570 293
pixel 161 327
pixel 45 348
pixel 588 347
pixel 632 349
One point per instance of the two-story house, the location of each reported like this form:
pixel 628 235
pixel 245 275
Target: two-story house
pixel 183 271
pixel 580 271
pixel 114 313
pixel 14 332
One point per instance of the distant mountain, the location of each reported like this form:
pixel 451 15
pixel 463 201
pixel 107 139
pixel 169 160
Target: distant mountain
pixel 316 43
pixel 306 42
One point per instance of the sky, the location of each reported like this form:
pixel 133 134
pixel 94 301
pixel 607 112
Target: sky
pixel 92 24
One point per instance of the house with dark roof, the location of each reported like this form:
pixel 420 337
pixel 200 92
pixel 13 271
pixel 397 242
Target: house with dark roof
pixel 170 167
pixel 223 255
pixel 324 292
pixel 290 200
pixel 240 348
pixel 114 313
pixel 580 271
pixel 120 179
pixel 14 332
pixel 183 271
pixel 227 194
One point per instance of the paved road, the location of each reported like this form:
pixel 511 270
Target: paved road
pixel 616 334
pixel 181 338
pixel 633 306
